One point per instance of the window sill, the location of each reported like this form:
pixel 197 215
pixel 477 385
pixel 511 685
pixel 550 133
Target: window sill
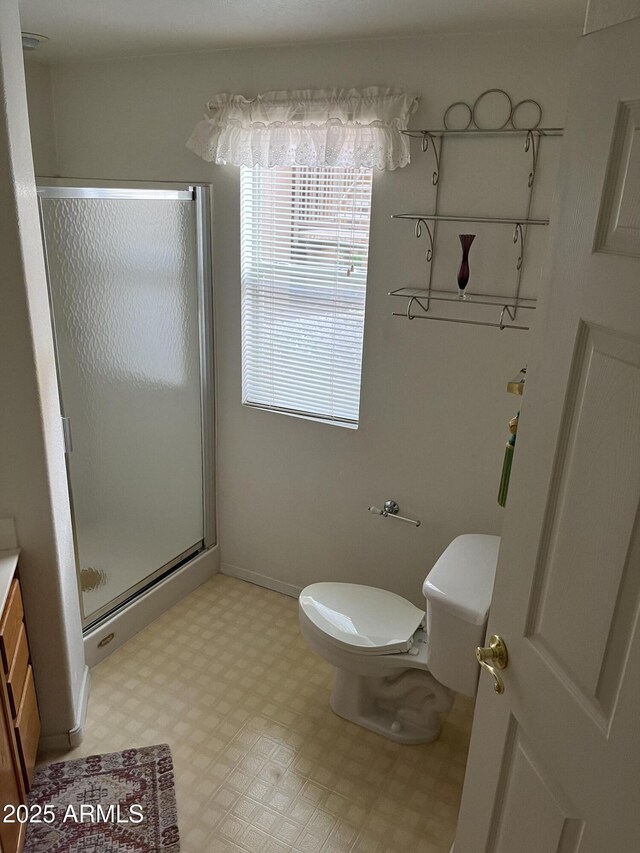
pixel 291 414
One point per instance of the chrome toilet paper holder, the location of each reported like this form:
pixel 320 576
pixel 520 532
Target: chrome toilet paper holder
pixel 390 509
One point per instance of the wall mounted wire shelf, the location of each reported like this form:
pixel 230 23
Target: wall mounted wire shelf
pixel 469 120
pixel 496 220
pixel 420 297
pixel 475 131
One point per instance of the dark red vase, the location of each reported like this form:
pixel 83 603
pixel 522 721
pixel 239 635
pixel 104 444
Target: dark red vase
pixel 463 273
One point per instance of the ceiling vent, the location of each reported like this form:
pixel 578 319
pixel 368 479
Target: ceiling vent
pixel 31 41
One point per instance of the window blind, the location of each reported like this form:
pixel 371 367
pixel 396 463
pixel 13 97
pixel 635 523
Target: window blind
pixel 305 245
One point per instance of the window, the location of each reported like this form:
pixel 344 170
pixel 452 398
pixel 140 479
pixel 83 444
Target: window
pixel 305 244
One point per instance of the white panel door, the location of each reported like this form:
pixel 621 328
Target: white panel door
pixel 554 764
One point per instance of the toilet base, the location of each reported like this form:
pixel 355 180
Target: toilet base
pixel 406 707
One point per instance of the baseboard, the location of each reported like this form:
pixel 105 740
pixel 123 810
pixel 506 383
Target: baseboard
pixel 77 732
pixel 149 606
pixel 260 580
pixel 69 740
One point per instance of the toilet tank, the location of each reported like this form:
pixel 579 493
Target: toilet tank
pixel 458 590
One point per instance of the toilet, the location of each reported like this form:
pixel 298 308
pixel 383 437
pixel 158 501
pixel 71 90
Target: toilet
pixel 398 668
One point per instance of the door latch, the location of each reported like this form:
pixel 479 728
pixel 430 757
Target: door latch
pixel 492 658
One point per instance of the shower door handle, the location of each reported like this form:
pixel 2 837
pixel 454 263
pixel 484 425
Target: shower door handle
pixel 66 432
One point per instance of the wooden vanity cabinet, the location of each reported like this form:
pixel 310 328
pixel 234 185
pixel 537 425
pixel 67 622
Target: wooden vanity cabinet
pixel 19 717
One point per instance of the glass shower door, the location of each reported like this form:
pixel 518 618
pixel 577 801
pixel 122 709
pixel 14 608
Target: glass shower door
pixel 123 277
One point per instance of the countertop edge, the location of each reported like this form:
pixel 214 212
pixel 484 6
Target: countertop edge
pixel 8 563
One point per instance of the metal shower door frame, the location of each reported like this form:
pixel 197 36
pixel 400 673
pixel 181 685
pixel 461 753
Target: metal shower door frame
pixel 200 196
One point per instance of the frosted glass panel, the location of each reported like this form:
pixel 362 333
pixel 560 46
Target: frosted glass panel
pixel 124 291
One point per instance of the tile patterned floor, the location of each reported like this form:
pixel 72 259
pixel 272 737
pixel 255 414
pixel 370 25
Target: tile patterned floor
pixel 262 764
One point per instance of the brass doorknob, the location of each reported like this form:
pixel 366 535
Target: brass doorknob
pixel 492 658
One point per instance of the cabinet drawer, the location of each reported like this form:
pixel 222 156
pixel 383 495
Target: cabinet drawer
pixel 28 728
pixel 18 670
pixel 10 625
pixel 10 788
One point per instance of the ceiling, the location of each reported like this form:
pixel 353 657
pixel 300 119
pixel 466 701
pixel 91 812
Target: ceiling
pixel 82 29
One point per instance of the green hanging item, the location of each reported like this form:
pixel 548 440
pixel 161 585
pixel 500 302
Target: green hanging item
pixel 508 460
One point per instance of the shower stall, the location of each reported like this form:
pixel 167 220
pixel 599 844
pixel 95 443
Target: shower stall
pixel 131 301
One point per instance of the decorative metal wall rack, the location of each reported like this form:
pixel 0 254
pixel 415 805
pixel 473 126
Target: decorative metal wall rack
pixel 470 123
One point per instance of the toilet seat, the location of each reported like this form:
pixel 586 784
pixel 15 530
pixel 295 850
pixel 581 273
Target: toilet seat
pixel 362 619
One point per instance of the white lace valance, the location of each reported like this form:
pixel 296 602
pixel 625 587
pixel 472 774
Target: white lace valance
pixel 339 127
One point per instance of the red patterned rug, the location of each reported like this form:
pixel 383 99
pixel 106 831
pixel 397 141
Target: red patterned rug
pixel 122 802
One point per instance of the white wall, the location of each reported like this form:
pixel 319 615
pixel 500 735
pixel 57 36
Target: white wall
pixel 41 120
pixel 33 486
pixel 292 493
pixel 607 13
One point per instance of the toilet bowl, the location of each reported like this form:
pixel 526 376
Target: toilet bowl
pixel 397 668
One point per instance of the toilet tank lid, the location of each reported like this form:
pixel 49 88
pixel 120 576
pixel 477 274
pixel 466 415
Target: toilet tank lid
pixel 462 579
